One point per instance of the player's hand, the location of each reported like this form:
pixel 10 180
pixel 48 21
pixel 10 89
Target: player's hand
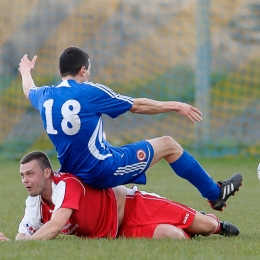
pixel 25 64
pixel 192 113
pixel 3 238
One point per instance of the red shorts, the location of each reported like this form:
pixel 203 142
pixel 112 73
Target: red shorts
pixel 145 211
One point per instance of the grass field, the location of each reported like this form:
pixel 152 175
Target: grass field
pixel 242 210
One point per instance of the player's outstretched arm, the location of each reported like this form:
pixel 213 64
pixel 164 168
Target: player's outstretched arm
pixel 150 106
pixel 52 228
pixel 25 67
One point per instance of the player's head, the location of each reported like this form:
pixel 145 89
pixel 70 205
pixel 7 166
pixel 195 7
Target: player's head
pixel 41 158
pixel 72 60
pixel 36 172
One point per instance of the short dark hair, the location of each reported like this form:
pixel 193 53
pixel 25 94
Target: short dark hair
pixel 72 60
pixel 42 159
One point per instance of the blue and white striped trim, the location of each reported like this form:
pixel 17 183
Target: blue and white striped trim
pixel 131 168
pixel 113 94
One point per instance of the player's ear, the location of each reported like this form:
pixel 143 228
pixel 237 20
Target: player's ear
pixel 82 71
pixel 48 172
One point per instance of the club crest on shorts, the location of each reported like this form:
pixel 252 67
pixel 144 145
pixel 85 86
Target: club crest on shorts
pixel 141 155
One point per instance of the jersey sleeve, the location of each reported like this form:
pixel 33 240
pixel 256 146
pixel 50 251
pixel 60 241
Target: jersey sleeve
pixel 106 101
pixel 34 96
pixel 31 221
pixel 68 194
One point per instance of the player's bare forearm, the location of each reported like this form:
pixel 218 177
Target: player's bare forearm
pixel 27 82
pixel 25 68
pixel 149 106
pixel 46 232
pixel 52 229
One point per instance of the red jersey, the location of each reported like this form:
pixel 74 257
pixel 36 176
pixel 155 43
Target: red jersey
pixel 95 213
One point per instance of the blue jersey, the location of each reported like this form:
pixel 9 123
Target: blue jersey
pixel 72 117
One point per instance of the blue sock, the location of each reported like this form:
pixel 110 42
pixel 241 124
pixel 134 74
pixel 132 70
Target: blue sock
pixel 188 167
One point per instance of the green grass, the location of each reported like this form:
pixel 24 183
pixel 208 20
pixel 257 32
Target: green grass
pixel 242 210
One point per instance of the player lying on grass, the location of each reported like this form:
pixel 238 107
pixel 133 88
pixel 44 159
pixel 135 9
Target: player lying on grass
pixel 61 203
pixel 72 117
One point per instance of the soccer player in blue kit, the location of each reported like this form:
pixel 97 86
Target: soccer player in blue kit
pixel 72 117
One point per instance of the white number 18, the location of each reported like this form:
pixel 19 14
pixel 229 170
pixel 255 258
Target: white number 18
pixel 70 124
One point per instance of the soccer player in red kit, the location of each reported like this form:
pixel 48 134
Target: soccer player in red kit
pixel 62 203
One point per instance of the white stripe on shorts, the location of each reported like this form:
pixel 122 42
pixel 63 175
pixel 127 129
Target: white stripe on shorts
pixel 131 168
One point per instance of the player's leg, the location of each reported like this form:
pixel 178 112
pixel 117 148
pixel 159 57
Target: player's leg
pixel 207 224
pixel 169 231
pixel 184 165
pixel 203 225
pixel 187 167
pixel 146 215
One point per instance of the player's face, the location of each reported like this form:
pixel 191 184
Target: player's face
pixel 33 178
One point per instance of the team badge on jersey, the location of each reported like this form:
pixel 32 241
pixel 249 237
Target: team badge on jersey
pixel 141 155
pixel 30 228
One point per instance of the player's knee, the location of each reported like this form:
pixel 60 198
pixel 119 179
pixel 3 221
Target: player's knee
pixel 203 224
pixel 170 142
pixel 210 224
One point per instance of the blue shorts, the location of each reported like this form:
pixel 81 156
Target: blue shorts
pixel 127 165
